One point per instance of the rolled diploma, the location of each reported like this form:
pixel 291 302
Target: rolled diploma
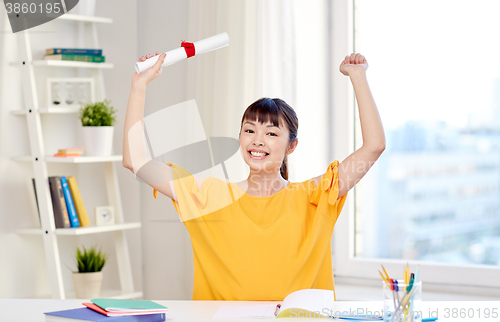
pixel 178 54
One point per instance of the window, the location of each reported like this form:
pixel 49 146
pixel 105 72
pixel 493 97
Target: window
pixel 434 195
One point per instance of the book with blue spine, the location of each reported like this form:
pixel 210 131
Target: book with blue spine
pixel 81 51
pixel 73 217
pixel 86 314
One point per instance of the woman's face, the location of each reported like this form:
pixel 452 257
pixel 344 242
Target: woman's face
pixel 263 146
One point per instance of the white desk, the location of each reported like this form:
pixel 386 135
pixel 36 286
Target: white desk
pixel 15 310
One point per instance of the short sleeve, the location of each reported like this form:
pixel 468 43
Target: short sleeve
pixel 327 191
pixel 194 203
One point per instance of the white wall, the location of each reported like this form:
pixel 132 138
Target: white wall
pixel 167 253
pixel 23 272
pixel 119 42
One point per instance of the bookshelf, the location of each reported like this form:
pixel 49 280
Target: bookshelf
pixel 50 110
pixel 82 159
pixel 82 230
pixel 32 110
pixel 64 63
pixel 72 17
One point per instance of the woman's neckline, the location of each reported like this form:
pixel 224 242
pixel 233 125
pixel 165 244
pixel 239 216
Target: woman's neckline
pixel 266 197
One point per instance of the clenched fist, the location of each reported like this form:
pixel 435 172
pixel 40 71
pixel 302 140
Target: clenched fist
pixel 353 63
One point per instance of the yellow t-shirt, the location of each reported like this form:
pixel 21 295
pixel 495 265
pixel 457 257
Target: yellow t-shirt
pixel 259 248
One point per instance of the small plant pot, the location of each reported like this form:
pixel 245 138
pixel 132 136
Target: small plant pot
pixel 87 285
pixel 98 140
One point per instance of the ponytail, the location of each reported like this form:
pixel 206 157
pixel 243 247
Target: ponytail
pixel 284 168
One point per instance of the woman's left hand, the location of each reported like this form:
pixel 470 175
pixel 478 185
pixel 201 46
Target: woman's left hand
pixel 353 63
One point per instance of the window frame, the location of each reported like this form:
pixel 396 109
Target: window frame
pixel 470 279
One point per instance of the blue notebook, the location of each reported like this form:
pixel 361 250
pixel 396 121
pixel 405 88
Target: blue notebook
pixel 78 51
pixel 85 314
pixel 73 217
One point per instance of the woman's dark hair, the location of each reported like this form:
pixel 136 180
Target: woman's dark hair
pixel 273 110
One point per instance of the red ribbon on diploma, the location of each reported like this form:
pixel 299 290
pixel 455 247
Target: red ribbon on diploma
pixel 189 48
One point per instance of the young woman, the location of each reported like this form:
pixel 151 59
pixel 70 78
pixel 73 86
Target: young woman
pixel 265 237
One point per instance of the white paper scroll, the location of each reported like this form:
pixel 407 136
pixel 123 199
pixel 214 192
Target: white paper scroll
pixel 178 54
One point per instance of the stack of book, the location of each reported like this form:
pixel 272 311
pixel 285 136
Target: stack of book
pixel 69 152
pixel 112 310
pixel 67 203
pixel 75 54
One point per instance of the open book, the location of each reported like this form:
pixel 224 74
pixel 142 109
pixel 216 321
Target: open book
pixel 308 303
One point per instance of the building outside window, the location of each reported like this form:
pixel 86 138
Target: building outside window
pixel 433 197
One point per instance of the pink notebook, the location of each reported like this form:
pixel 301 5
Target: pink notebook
pixel 121 313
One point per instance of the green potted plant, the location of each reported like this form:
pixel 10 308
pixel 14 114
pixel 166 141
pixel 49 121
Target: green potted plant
pixel 97 123
pixel 88 279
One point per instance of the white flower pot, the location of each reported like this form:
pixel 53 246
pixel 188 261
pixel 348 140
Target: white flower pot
pixel 98 140
pixel 87 285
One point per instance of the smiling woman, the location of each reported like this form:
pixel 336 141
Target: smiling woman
pixel 236 228
pixel 268 133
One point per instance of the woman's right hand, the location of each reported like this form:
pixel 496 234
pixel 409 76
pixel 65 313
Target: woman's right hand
pixel 151 73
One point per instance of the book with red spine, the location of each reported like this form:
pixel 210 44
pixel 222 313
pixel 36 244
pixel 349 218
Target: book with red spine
pixel 129 307
pixel 99 309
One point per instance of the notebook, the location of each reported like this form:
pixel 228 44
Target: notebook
pixel 139 306
pixel 98 309
pixel 87 315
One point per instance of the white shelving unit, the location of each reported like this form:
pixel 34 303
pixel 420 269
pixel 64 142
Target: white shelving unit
pixel 82 230
pixel 32 111
pixel 50 110
pixel 82 159
pixel 65 63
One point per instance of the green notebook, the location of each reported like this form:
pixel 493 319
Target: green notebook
pixel 127 305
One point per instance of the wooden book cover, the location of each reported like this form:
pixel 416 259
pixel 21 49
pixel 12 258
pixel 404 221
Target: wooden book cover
pixel 61 216
pixel 83 217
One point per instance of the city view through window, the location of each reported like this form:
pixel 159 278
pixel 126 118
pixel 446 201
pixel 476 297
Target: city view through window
pixel 434 71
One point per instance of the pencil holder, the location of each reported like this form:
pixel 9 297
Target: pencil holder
pixel 402 302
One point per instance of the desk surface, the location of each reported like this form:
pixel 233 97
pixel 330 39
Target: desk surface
pixel 17 310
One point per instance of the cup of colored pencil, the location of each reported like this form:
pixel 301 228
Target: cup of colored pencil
pixel 402 297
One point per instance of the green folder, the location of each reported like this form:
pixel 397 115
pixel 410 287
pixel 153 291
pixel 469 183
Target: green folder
pixel 127 305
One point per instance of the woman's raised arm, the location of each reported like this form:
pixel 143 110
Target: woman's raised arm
pixel 356 165
pixel 136 156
